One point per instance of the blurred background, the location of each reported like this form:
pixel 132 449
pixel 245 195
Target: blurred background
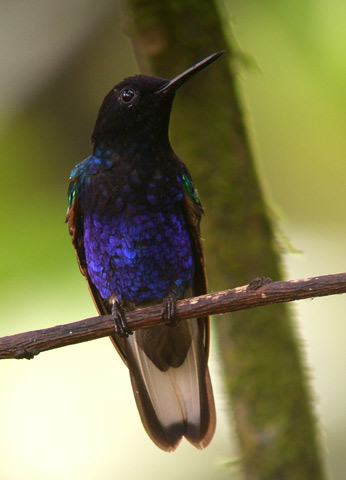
pixel 70 413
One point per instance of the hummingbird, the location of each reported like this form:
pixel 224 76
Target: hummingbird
pixel 134 220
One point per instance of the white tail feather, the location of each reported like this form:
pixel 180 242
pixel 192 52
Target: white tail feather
pixel 175 393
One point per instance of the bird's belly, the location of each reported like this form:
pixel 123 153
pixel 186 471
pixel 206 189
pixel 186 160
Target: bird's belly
pixel 139 258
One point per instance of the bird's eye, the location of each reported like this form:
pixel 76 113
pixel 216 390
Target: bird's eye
pixel 127 95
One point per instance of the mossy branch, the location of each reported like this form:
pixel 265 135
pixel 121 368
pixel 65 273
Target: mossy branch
pixel 260 292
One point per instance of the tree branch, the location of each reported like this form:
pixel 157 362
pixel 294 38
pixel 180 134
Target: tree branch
pixel 260 292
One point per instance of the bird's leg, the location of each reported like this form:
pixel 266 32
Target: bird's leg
pixel 120 324
pixel 169 309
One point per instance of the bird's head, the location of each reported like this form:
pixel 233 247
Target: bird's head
pixel 139 107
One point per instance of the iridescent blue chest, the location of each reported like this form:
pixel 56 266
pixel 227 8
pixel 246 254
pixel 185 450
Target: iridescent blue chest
pixel 136 241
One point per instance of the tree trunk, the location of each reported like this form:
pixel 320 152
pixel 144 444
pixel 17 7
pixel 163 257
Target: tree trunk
pixel 264 372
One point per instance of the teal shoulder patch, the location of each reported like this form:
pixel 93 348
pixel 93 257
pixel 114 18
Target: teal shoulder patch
pixel 71 194
pixel 190 187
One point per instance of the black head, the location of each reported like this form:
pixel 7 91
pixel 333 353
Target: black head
pixel 138 108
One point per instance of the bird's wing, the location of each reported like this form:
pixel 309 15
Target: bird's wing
pixel 193 212
pixel 74 219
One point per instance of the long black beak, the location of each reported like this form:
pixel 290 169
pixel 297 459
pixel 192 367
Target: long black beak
pixel 183 77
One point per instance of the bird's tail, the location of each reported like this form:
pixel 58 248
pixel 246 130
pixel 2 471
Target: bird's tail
pixel 171 383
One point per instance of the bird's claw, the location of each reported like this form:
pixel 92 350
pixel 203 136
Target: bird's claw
pixel 259 282
pixel 169 310
pixel 120 324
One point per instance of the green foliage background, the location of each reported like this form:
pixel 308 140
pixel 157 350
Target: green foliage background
pixel 70 413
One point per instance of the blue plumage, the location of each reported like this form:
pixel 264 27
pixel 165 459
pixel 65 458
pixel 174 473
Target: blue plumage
pixel 136 240
pixel 125 256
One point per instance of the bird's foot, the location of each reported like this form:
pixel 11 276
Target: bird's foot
pixel 259 282
pixel 120 324
pixel 169 310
